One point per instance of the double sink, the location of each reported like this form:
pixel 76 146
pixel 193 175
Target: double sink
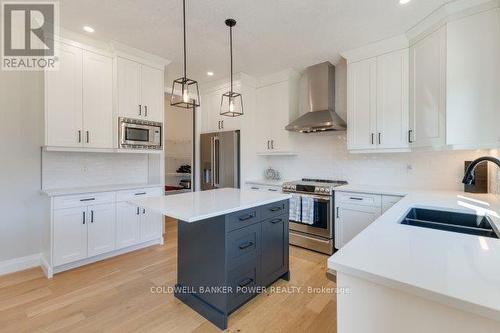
pixel 470 224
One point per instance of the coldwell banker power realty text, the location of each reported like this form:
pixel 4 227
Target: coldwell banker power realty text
pixel 29 35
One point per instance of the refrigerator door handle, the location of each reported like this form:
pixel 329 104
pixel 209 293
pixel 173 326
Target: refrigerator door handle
pixel 216 165
pixel 212 160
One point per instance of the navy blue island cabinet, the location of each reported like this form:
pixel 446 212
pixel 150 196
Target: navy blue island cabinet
pixel 225 261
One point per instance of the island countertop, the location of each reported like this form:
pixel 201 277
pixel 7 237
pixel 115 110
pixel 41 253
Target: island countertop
pixel 197 206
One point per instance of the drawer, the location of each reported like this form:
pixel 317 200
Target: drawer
pixel 243 283
pixel 373 200
pixel 263 188
pixel 244 244
pixel 274 209
pixel 138 193
pixel 242 219
pixel 82 200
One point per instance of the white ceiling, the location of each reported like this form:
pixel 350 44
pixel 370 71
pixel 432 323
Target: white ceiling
pixel 271 35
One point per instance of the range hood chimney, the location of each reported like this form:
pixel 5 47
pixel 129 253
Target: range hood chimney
pixel 320 114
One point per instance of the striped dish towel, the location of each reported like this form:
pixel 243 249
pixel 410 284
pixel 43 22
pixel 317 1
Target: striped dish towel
pixel 308 210
pixel 295 208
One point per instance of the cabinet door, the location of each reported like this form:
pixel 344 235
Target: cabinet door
pixel 129 88
pixel 97 100
pixel 393 100
pixel 150 225
pixel 152 93
pixel 473 78
pixel 101 229
pixel 428 91
pixel 361 104
pixel 64 100
pixel 70 235
pixel 351 220
pixel 274 248
pixel 210 114
pixel 127 225
pixel 263 120
pixel 279 116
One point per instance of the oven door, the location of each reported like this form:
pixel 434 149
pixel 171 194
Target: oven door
pixel 323 217
pixel 140 135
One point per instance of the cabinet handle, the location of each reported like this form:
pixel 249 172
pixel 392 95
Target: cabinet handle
pixel 246 282
pixel 373 138
pixel 145 110
pixel 140 110
pixel 222 124
pixel 218 126
pixel 272 190
pixel 91 216
pixel 246 246
pixel 338 216
pixel 88 136
pixel 143 211
pixel 268 144
pixel 83 217
pixel 272 144
pixel 138 212
pixel 79 136
pixel 380 138
pixel 140 193
pixel 353 198
pixel 245 218
pixel 275 209
pixel 409 136
pixel 255 188
pixel 276 221
pixel 88 199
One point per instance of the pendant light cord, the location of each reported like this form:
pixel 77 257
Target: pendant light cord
pixel 231 53
pixel 184 24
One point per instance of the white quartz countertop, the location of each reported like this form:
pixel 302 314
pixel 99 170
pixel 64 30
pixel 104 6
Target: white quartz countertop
pixel 374 189
pixel 266 182
pixel 451 268
pixel 96 189
pixel 196 206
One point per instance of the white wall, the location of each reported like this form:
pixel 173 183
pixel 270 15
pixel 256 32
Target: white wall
pixel 67 169
pixel 21 204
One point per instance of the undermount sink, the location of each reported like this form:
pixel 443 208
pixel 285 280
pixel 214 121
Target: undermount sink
pixel 450 221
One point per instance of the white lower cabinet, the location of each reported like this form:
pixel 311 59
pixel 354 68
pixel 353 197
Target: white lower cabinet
pixel 70 235
pixel 90 227
pixel 356 211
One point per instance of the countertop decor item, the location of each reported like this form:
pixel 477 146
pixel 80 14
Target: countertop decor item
pixel 272 174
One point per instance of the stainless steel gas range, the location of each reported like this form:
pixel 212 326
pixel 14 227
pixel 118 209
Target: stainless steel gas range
pixel 312 217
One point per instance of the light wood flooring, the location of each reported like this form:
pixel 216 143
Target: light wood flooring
pixel 115 296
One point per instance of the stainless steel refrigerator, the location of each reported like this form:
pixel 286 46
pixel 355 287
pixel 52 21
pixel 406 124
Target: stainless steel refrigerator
pixel 220 160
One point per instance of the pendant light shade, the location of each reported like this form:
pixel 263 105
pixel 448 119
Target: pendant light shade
pixel 185 92
pixel 231 103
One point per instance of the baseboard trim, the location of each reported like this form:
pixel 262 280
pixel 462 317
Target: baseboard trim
pixel 19 264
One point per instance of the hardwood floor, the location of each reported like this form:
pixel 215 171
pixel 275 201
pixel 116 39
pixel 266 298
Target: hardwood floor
pixel 115 296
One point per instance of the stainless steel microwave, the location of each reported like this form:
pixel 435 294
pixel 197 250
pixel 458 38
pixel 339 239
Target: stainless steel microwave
pixel 139 134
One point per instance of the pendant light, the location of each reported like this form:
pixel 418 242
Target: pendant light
pixel 231 103
pixel 189 92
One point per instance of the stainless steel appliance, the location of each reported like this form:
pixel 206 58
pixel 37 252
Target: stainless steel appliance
pixel 220 160
pixel 317 102
pixel 139 134
pixel 317 233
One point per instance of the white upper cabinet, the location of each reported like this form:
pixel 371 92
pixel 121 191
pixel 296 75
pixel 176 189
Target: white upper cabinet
pixel 212 121
pixel 129 88
pixel 428 91
pixel 140 90
pixel 377 103
pixel 362 104
pixel 97 100
pixel 393 100
pixel 473 81
pixel 277 105
pixel 63 100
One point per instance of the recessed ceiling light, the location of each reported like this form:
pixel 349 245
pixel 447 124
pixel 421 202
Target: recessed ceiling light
pixel 210 73
pixel 88 29
pixel 404 2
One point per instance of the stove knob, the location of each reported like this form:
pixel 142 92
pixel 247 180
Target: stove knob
pixel 322 190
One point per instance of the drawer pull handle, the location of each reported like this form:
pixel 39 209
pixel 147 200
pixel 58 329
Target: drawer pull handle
pixel 246 218
pixel 272 190
pixel 255 188
pixel 246 246
pixel 275 209
pixel 245 282
pixel 359 199
pixel 276 221
pixel 140 193
pixel 89 199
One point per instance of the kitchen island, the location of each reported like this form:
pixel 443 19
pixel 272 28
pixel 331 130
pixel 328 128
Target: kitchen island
pixel 231 244
pixel 403 278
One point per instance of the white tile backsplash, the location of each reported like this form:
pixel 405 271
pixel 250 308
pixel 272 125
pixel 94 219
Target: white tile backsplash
pixel 67 169
pixel 325 155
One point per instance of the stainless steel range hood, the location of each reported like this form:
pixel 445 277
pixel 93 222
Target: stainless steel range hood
pixel 320 114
